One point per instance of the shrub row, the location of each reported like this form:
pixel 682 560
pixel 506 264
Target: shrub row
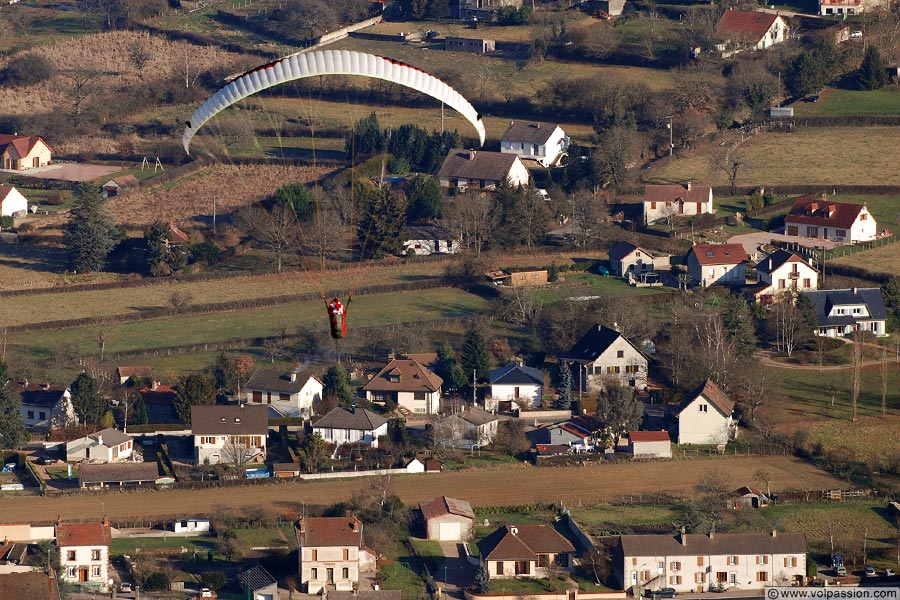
pixel 811 188
pixel 847 120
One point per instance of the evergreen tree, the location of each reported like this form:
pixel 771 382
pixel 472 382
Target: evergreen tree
pixel 872 73
pixel 140 411
pixel 89 234
pixel 365 139
pixel 13 434
pixel 482 578
pixel 474 356
pixel 337 384
pixel 86 399
pixel 739 324
pixel 298 197
pixel 811 70
pixel 194 389
pixel 162 257
pixel 382 229
pixel 425 200
pixel 564 401
pixel 225 373
pixel 449 369
pixel 618 412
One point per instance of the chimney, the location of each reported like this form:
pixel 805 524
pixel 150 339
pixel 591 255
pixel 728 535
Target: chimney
pixel 471 155
pixel 354 525
pixel 683 536
pixel 774 533
pixel 100 439
pixel 302 526
pixel 105 521
pixel 58 520
pixel 45 386
pixel 615 326
pixel 854 291
pixel 689 185
pixel 514 530
pixel 712 531
pixel 154 384
pixel 26 382
pixel 294 376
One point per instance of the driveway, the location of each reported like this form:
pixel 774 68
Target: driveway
pixel 69 171
pixel 752 242
pixel 456 569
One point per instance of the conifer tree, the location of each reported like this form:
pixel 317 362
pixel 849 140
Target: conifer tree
pixel 89 234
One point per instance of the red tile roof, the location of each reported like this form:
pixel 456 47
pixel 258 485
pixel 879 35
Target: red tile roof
pixel 22 143
pixel 330 531
pixel 446 506
pixel 671 193
pixel 744 25
pixel 714 395
pixel 83 534
pixel 808 210
pixel 34 585
pixel 523 542
pixel 648 436
pixel 720 254
pixel 406 376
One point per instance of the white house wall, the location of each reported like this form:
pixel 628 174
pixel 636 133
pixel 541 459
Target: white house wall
pixel 780 279
pixel 530 394
pixel 14 203
pixel 699 426
pixel 351 436
pixel 547 154
pixel 709 275
pixel 630 368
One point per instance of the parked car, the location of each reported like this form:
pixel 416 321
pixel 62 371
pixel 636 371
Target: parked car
pixel 206 593
pixel 45 460
pixel 125 587
pixel 841 570
pixel 665 593
pixel 601 270
pixel 888 572
pixel 870 572
pixel 855 35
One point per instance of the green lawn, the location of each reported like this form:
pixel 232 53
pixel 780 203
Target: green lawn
pixel 525 587
pixel 626 514
pixel 404 575
pixel 428 551
pixel 577 284
pixel 262 537
pixel 130 545
pixel 62 472
pixel 834 101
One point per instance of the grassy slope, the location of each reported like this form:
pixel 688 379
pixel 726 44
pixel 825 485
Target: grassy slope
pixel 834 101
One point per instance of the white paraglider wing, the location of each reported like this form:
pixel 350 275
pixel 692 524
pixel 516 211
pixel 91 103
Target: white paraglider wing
pixel 329 62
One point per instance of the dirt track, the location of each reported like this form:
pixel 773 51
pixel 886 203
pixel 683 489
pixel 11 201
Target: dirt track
pixel 482 487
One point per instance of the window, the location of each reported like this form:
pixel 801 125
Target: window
pixel 346 553
pixel 95 555
pixel 653 206
pixel 699 561
pixel 315 554
pixel 95 572
pixel 523 567
pixel 732 578
pixel 675 565
pixel 762 576
pixel 699 577
pixel 70 572
pixel 675 579
pixel 543 560
pixel 30 414
pixel 70 555
pixel 703 408
pixel 840 233
pixel 345 573
pixel 762 559
pixel 632 368
pixel 620 354
pixel 660 566
pixel 790 561
pixel 42 415
pixel 284 397
pixel 781 284
pixel 863 217
pixel 313 574
pixel 612 370
pixel 807 283
pixel 500 568
pixel 732 560
pixel 418 395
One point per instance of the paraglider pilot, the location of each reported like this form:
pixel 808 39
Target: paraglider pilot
pixel 337 315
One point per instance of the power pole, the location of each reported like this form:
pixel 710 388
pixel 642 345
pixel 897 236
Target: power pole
pixel 474 393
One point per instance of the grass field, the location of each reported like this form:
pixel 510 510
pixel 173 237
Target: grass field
pixel 130 545
pixel 835 101
pixel 796 158
pixel 848 521
pixel 479 486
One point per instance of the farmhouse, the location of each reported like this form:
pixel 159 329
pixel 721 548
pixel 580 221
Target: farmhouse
pixel 525 551
pixel 12 202
pixel 331 553
pixel 836 221
pixel 291 394
pixel 850 7
pixel 109 445
pixel 747 30
pixel 447 519
pixel 718 264
pixel 649 444
pixel 22 152
pixel 693 562
pixel 408 384
pixel 841 312
pixel 230 434
pixel 84 552
pixel 474 45
pixel 425 240
pixel 625 258
pixel 667 202
pixel 705 417
pixel 44 407
pixel 541 142
pixel 351 426
pixel 481 169
pixel 141 373
pixel 604 355
pixel 783 272
pixel 516 384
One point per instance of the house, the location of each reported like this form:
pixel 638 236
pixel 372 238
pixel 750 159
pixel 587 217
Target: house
pixel 478 10
pixel 604 355
pixel 480 169
pixel 567 433
pixel 740 30
pixel 844 8
pixel 542 142
pixel 649 444
pixel 22 152
pixel 516 384
pixel 473 45
pixel 258 584
pixel 448 519
pixel 292 394
pixel 783 272
pixel 12 202
pixel 718 264
pixel 109 445
pixel 231 434
pixel 747 497
pixel 836 221
pixel 33 585
pixel 613 8
pixel 13 553
pixel 692 562
pixel 467 429
pixel 84 552
pixel 528 278
pixel 351 426
pixel 331 553
pixel 626 258
pixel 160 403
pixel 706 416
pixel 121 475
pixel 44 407
pixel 841 312
pixel 119 184
pixel 142 373
pixel 525 551
pixel 194 525
pixel 667 202
pixel 175 236
pixel 408 384
pixel 425 240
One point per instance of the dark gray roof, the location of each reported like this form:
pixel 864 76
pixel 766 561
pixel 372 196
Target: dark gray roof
pixel 359 419
pixel 480 164
pixel 427 232
pixel 230 419
pixel 477 416
pixel 517 375
pixel 825 300
pixel 593 344
pixel 276 380
pixel 721 544
pixel 35 395
pixel 530 132
pixel 255 578
pixel 621 249
pixel 111 437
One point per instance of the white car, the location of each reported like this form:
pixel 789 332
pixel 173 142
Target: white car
pixel 206 593
pixel 855 35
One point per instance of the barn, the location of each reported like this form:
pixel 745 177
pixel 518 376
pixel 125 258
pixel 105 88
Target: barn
pixel 448 519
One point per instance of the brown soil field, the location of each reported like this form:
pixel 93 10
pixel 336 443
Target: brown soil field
pixel 495 486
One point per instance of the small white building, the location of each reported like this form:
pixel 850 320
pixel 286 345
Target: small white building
pixel 517 384
pixel 448 519
pixel 292 394
pixel 23 152
pixel 44 407
pixel 542 142
pixel 12 202
pixel 665 202
pixel 194 525
pixel 230 434
pixel 625 258
pixel 84 553
pixel 821 219
pixel 425 240
pixel 649 444
pixel 351 426
pixel 706 417
pixel 117 185
pixel 718 264
pixel 108 445
pixel 481 169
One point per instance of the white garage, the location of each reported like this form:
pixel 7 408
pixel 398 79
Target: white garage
pixel 448 519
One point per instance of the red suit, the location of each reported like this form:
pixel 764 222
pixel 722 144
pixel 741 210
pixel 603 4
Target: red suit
pixel 337 316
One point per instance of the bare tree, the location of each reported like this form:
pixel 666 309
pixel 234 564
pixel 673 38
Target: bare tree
pixel 79 88
pixel 140 56
pixel 789 324
pixel 238 451
pixel 473 217
pixel 732 163
pixel 188 70
pixel 587 215
pixel 274 230
pixel 764 476
pixel 651 34
pixel 883 372
pixel 857 355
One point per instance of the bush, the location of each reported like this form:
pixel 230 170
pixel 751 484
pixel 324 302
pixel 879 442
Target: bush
pixel 56 199
pixel 6 222
pixel 214 580
pixel 206 252
pixel 157 581
pixel 27 69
